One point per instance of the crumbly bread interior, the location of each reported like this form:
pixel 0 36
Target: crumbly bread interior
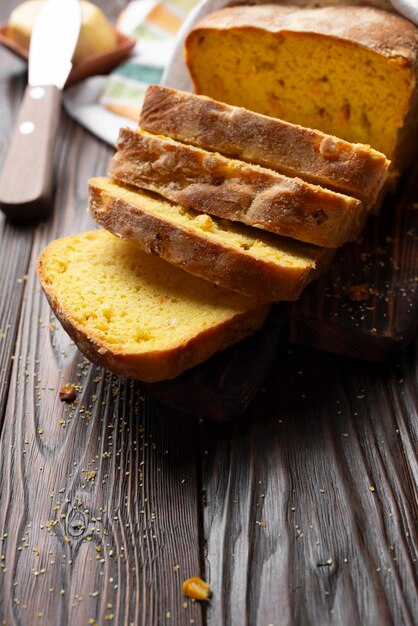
pixel 136 314
pixel 309 79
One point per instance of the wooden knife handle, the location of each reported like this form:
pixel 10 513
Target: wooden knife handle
pixel 26 177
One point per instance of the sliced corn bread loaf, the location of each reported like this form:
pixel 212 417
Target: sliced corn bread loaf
pixel 211 183
pixel 353 169
pixel 135 314
pixel 347 71
pixel 256 263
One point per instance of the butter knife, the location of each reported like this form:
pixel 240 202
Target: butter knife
pixel 26 176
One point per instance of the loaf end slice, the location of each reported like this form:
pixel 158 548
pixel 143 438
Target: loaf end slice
pixel 211 183
pixel 135 314
pixel 349 71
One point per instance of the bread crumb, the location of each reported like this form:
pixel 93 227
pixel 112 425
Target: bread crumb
pixel 358 293
pixel 196 588
pixel 67 393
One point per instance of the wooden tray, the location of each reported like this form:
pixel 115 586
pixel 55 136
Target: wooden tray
pixel 222 387
pixel 95 64
pixel 365 307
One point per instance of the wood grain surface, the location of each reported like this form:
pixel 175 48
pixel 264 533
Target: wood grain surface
pixel 311 506
pixel 99 516
pixel 301 511
pixel 366 305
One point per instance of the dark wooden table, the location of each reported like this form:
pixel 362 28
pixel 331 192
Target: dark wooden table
pixel 303 511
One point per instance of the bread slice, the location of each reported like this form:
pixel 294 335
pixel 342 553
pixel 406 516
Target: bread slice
pixel 350 71
pixel 353 169
pixel 253 262
pixel 214 184
pixel 135 314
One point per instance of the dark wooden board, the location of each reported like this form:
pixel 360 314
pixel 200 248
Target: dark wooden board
pixel 257 506
pixel 13 277
pixel 382 266
pixel 223 387
pixel 385 262
pixel 98 517
pixel 311 497
pixel 88 529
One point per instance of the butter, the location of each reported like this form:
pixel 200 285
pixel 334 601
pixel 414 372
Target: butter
pixel 96 34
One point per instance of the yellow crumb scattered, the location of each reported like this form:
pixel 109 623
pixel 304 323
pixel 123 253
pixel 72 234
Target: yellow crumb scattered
pixel 196 588
pixel 67 393
pixel 358 293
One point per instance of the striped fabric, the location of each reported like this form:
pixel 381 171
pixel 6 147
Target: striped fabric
pixel 154 25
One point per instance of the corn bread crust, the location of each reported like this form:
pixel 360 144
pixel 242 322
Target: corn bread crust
pixel 211 183
pixel 191 243
pixel 380 31
pixel 294 150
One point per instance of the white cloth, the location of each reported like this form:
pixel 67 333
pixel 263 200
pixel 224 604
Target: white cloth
pixel 83 102
pixel 408 8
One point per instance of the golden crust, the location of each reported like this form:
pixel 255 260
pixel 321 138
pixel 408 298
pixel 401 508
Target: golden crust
pixel 354 169
pixel 131 216
pixel 379 31
pixel 211 183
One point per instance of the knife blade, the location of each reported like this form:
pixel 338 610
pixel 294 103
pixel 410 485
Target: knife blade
pixel 26 176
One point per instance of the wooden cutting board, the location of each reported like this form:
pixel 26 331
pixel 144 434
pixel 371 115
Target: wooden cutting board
pixel 366 307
